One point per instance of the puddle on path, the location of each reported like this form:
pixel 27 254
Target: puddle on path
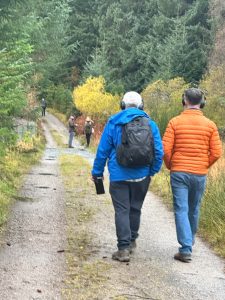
pixel 54 153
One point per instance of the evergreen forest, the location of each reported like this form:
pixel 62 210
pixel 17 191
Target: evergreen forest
pixel 48 47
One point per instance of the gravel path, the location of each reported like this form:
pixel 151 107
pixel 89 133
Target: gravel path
pixel 31 268
pixel 152 272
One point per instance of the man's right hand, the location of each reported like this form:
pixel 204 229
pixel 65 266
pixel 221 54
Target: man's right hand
pixel 95 178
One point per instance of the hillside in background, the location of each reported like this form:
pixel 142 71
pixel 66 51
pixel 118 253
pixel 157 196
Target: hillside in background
pixel 49 47
pixel 217 57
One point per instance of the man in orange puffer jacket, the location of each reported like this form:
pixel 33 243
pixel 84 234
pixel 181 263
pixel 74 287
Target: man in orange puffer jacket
pixel 191 145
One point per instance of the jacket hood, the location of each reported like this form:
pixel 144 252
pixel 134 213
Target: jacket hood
pixel 127 115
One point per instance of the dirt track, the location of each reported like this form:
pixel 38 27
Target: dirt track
pixel 31 268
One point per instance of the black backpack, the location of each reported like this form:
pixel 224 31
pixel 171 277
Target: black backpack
pixel 137 144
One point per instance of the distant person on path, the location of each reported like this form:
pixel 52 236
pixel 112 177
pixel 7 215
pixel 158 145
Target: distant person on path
pixel 132 159
pixel 43 106
pixel 72 126
pixel 191 145
pixel 88 130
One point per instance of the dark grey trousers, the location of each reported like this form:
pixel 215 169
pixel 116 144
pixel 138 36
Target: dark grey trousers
pixel 128 198
pixel 88 138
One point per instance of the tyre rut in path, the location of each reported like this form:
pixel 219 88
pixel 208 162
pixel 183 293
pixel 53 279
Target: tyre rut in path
pixel 30 266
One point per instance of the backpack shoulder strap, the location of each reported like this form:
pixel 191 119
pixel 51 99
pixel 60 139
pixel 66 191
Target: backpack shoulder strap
pixel 145 121
pixel 124 134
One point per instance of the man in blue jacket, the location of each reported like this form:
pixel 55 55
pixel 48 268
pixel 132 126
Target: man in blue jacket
pixel 128 185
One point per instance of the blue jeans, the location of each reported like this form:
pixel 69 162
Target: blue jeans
pixel 187 191
pixel 71 135
pixel 128 198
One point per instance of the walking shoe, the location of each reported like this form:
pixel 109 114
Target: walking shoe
pixel 183 257
pixel 132 246
pixel 121 255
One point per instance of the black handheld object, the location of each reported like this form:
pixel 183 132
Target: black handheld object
pixel 99 185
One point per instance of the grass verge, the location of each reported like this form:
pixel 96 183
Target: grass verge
pixel 212 218
pixel 58 139
pixel 160 185
pixel 12 168
pixel 85 276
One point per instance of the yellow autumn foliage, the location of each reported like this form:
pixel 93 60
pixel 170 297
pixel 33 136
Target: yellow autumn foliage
pixel 28 143
pixel 214 87
pixel 92 99
pixel 164 91
pixel 163 100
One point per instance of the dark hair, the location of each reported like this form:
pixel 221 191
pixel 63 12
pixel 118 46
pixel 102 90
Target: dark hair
pixel 193 95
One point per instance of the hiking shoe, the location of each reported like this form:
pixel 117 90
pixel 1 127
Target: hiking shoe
pixel 183 257
pixel 132 246
pixel 121 255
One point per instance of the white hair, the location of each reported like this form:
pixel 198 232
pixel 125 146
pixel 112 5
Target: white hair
pixel 132 99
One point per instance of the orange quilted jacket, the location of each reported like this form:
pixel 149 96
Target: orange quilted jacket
pixel 191 143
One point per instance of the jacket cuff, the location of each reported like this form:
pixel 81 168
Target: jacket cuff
pixel 97 175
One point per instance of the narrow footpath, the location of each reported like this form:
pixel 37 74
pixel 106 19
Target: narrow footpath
pixel 30 265
pixel 33 267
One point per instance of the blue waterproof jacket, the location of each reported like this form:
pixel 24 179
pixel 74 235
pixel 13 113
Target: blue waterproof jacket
pixel 111 137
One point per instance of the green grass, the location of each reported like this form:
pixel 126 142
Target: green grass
pixel 85 275
pixel 12 169
pixel 58 138
pixel 212 221
pixel 160 185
